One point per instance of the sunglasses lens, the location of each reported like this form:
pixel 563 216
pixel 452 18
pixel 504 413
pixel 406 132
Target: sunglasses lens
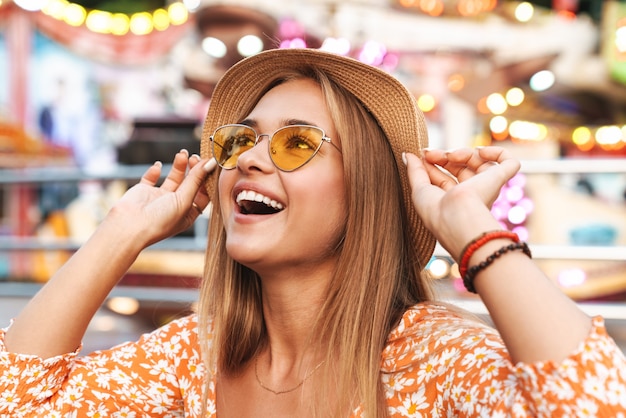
pixel 230 141
pixel 293 146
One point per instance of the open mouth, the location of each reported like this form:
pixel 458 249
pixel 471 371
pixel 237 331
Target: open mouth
pixel 253 203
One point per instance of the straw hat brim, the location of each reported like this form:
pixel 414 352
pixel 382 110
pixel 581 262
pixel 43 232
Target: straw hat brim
pixel 388 100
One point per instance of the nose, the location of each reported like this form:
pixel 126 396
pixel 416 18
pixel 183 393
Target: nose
pixel 256 157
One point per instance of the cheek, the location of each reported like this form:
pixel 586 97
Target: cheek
pixel 331 200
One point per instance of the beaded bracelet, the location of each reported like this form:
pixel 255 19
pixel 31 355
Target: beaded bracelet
pixel 468 277
pixel 478 242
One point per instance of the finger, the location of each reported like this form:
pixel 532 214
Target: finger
pixel 191 189
pixel 503 157
pixel 423 194
pixel 197 208
pixel 152 174
pixel 416 171
pixel 499 165
pixel 209 165
pixel 193 160
pixel 440 177
pixel 435 156
pixel 177 172
pixel 423 174
pixel 463 163
pixel 455 163
pixel 494 153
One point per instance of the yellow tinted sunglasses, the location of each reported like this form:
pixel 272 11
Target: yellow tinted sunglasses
pixel 290 147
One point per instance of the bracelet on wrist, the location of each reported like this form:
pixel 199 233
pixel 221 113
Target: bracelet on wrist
pixel 470 274
pixel 478 242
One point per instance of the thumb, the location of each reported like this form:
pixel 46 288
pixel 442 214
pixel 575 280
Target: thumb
pixel 195 179
pixel 416 171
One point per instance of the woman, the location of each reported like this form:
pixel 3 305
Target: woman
pixel 313 301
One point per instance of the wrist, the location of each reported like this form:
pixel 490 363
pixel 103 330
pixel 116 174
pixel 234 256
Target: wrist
pixel 122 231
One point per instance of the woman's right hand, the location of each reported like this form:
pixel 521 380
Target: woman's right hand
pixel 55 319
pixel 158 212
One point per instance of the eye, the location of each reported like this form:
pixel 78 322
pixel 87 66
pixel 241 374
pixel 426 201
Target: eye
pixel 300 142
pixel 244 141
pixel 237 142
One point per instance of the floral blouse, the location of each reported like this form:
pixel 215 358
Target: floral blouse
pixel 437 363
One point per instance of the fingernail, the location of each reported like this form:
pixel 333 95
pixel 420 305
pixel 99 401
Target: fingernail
pixel 210 165
pixel 184 151
pixel 404 158
pixel 195 156
pixel 158 164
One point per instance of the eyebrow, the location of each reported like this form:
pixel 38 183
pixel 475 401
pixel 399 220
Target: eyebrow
pixel 286 122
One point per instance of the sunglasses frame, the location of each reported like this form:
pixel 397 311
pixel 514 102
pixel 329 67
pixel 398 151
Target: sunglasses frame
pixel 269 142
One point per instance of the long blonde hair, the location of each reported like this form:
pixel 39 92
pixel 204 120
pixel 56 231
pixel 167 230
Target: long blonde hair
pixel 378 274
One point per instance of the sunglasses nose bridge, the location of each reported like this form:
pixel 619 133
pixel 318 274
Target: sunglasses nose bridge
pixel 251 155
pixel 258 138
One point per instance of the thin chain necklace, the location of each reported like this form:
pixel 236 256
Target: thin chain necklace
pixel 280 392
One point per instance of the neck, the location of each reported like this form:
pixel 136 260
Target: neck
pixel 291 306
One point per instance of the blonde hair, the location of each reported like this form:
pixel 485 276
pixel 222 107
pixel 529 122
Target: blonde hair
pixel 377 277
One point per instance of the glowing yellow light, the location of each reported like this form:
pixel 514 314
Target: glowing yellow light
pixel 515 96
pixel 496 103
pixel 426 102
pixel 608 135
pixel 543 132
pixel 542 80
pixel 439 268
pixel 581 135
pixel 454 270
pixel 456 82
pixel 249 45
pixel 74 14
pixel 178 13
pixel 192 5
pixel 528 131
pixel 55 8
pixel 141 23
pixel 498 124
pixel 123 305
pixel 469 8
pixel 620 39
pixel 119 24
pixel 161 19
pixel 524 12
pixel 432 7
pixel 482 106
pixel 98 21
pixel 29 5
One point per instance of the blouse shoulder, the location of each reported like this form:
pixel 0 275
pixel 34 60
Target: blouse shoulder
pixel 428 328
pixel 444 362
pixel 160 374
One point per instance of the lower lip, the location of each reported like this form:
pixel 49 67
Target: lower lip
pixel 241 218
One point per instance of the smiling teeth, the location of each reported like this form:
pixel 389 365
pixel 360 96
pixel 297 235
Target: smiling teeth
pixel 251 196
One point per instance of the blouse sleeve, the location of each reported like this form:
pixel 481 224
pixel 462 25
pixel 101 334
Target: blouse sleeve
pixel 439 363
pixel 158 375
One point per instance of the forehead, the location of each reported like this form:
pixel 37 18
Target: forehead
pixel 293 99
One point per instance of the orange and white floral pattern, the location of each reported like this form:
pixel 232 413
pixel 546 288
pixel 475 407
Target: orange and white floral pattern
pixel 437 364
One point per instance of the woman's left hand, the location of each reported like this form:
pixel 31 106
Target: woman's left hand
pixel 455 202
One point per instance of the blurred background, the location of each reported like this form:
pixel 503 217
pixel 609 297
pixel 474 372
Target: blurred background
pixel 93 91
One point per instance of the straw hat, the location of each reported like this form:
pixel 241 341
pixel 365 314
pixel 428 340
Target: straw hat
pixel 392 105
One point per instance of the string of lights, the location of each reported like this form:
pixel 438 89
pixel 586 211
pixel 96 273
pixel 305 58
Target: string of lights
pixel 106 22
